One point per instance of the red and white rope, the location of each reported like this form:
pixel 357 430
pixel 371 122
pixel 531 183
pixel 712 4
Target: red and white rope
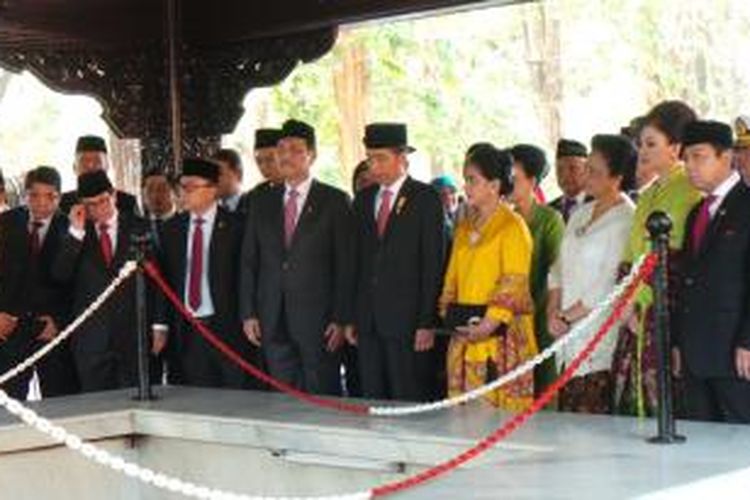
pixel 176 485
pixel 584 329
pixel 125 272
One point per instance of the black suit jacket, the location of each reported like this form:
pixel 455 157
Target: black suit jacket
pixel 111 331
pixel 400 276
pixel 713 301
pixel 27 287
pixel 223 278
pixel 126 203
pixel 314 278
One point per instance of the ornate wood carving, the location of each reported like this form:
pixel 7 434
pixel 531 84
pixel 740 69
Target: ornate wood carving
pixel 131 83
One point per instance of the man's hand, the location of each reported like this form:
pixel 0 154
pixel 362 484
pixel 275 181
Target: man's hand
pixel 78 217
pixel 7 325
pixel 742 362
pixel 676 363
pixel 351 334
pixel 159 337
pixel 424 340
pixel 334 336
pixel 50 330
pixel 252 330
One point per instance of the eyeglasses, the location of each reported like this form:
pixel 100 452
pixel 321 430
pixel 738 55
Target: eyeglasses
pixel 189 188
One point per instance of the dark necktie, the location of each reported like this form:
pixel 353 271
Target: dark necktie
pixel 702 221
pixel 290 217
pixel 384 212
pixel 196 266
pixel 35 238
pixel 569 204
pixel 105 242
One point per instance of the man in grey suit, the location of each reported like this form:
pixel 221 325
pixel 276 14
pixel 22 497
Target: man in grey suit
pixel 297 270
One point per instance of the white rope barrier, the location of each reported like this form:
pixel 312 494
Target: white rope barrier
pixel 584 328
pixel 176 485
pixel 165 482
pixel 125 271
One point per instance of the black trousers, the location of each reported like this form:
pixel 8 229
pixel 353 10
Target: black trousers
pixel 350 361
pixel 300 359
pixel 56 371
pixel 392 369
pixel 202 365
pixel 717 399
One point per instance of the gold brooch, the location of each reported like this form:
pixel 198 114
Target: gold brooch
pixel 400 205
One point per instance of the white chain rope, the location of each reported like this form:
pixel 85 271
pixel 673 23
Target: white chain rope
pixel 176 485
pixel 582 329
pixel 130 469
pixel 125 271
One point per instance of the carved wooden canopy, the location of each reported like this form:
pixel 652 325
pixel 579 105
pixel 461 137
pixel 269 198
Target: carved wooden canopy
pixel 116 51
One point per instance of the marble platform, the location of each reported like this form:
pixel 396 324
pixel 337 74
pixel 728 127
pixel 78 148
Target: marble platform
pixel 263 443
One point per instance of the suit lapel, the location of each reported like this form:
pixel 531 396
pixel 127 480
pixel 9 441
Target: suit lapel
pixel 182 250
pixel 218 241
pixel 717 221
pixel 49 245
pixel 402 200
pixel 122 250
pixel 311 206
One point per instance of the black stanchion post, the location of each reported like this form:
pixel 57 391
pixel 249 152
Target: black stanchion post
pixel 659 226
pixel 140 252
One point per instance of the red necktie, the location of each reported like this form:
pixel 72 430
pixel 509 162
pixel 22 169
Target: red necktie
pixel 384 212
pixel 105 242
pixel 702 221
pixel 35 239
pixel 290 217
pixel 196 266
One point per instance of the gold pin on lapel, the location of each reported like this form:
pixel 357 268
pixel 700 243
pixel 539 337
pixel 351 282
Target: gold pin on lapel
pixel 400 205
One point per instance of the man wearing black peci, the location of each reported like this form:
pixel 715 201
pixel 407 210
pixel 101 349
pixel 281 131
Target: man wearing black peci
pixel 298 270
pixel 91 156
pixel 400 264
pixel 97 244
pixel 712 324
pixel 199 256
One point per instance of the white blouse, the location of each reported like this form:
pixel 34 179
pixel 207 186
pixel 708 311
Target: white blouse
pixel 586 270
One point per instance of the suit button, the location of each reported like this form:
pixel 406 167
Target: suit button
pixel 689 281
pixel 285 266
pixel 374 282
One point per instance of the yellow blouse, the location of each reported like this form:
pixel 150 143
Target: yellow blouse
pixel 491 266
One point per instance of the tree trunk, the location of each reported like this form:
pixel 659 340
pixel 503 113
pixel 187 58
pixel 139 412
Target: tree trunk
pixel 350 82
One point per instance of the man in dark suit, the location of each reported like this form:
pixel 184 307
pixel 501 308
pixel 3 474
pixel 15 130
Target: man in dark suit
pixel 266 154
pixel 401 251
pixel 298 270
pixel 712 323
pixel 159 204
pixel 91 155
pixel 571 157
pixel 98 243
pixel 199 257
pixel 230 192
pixel 31 301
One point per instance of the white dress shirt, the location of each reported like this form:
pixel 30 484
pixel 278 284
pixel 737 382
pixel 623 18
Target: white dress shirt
pixel 586 270
pixel 303 189
pixel 395 189
pixel 207 306
pixel 722 191
pixel 111 230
